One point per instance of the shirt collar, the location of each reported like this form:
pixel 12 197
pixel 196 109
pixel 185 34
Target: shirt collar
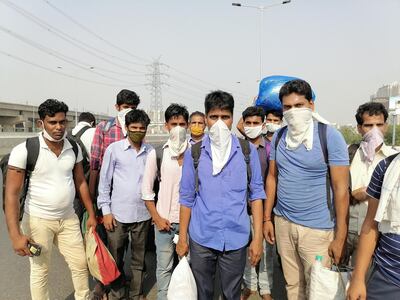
pixel 127 146
pixel 67 145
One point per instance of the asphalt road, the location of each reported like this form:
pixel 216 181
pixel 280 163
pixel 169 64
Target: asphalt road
pixel 14 275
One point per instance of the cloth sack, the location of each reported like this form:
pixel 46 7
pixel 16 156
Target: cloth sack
pixel 101 264
pixel 182 285
pixel 328 284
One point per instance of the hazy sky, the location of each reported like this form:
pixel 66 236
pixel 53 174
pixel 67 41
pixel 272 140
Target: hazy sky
pixel 346 49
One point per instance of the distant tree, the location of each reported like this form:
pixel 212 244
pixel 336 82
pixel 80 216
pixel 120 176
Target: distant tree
pixel 389 135
pixel 350 134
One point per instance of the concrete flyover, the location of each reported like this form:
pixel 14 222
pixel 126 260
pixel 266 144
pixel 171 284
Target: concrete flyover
pixel 23 117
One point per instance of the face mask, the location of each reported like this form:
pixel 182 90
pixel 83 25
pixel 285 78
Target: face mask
pixel 121 118
pixel 271 127
pixel 253 132
pixel 196 130
pixel 371 140
pixel 177 141
pixel 300 128
pixel 136 136
pixel 48 137
pixel 221 142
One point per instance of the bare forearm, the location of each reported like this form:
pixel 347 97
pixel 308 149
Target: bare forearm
pixel 270 201
pixel 151 207
pixel 368 239
pixel 184 219
pixel 341 209
pixel 93 181
pixel 12 214
pixel 257 212
pixel 85 198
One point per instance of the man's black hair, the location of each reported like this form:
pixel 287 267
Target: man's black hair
pixel 274 112
pixel 252 111
pixel 137 116
pixel 297 86
pixel 128 97
pixel 50 107
pixel 196 113
pixel 176 110
pixel 219 99
pixel 87 117
pixel 373 109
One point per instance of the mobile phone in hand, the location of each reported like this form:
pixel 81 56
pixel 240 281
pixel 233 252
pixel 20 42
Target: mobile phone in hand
pixel 34 249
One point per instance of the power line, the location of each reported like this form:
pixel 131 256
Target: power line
pixel 92 32
pixel 60 73
pixel 62 57
pixel 68 38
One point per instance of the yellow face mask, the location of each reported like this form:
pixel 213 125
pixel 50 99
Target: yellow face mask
pixel 196 130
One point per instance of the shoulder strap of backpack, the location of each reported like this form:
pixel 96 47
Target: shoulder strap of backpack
pixel 32 148
pixel 79 134
pixel 245 145
pixel 322 133
pixel 352 149
pixel 279 137
pixel 159 157
pixel 77 137
pixel 74 146
pixel 196 151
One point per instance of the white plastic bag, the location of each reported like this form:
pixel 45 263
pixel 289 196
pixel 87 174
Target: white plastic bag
pixel 327 284
pixel 182 285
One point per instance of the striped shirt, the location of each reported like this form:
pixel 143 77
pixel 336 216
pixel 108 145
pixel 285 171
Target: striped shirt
pixel 387 253
pixel 103 137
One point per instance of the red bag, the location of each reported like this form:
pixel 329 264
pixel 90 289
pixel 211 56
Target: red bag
pixel 101 264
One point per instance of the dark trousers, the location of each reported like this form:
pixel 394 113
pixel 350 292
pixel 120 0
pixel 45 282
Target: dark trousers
pixel 380 287
pixel 230 265
pixel 117 241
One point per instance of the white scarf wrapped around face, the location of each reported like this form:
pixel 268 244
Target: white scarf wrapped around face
pixel 300 123
pixel 177 142
pixel 388 212
pixel 121 118
pixel 221 143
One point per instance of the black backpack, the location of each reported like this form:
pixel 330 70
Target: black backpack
pixel 33 148
pixel 86 160
pixel 322 131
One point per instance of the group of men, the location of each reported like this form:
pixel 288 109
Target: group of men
pixel 222 200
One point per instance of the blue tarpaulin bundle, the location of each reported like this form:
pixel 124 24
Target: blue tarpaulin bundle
pixel 268 94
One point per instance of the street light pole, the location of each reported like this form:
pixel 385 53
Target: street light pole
pixel 261 8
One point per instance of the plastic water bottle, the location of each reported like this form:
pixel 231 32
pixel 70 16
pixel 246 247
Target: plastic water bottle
pixel 318 262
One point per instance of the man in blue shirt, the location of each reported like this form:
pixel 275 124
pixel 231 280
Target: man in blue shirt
pixel 120 200
pixel 305 226
pixel 216 215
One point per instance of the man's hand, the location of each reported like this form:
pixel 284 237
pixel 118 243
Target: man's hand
pixel 269 233
pixel 182 248
pixel 20 245
pixel 360 194
pixel 255 251
pixel 336 249
pixel 357 290
pixel 162 224
pixel 91 222
pixel 109 222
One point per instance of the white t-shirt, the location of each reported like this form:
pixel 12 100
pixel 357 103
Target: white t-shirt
pixel 87 136
pixel 51 189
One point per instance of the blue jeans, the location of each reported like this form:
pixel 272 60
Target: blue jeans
pixel 165 249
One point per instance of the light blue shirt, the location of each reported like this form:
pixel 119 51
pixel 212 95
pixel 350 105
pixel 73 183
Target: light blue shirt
pixel 301 193
pixel 219 218
pixel 121 181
